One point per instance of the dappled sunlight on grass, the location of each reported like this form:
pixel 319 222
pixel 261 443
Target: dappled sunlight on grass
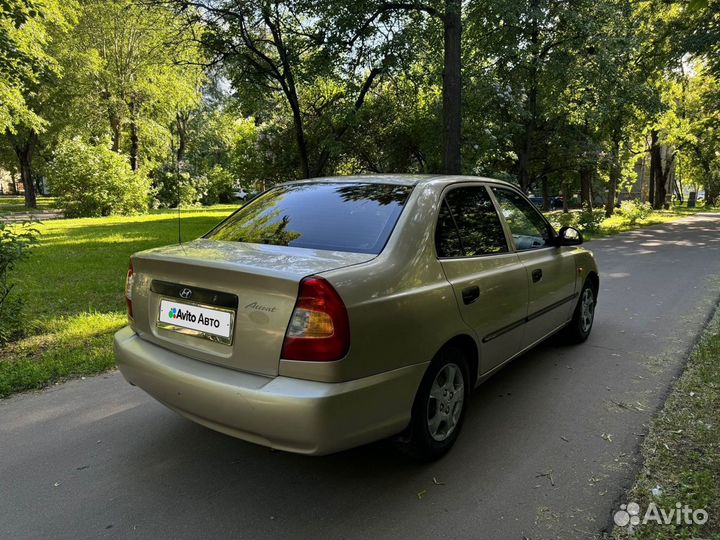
pixel 72 285
pixel 16 204
pixel 63 332
pixel 59 348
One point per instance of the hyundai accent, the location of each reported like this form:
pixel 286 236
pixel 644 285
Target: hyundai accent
pixel 329 313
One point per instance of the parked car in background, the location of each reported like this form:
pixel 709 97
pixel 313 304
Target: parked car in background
pixel 554 203
pixel 329 313
pixel 239 193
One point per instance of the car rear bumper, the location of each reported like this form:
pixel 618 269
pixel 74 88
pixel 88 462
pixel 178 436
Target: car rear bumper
pixel 295 415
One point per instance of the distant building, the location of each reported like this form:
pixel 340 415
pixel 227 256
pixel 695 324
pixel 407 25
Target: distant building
pixel 7 183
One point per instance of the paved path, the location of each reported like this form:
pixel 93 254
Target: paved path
pixel 30 216
pixel 97 458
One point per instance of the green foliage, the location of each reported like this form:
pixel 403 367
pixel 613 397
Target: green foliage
pixel 586 220
pixel 219 186
pixel 173 189
pixel 14 241
pixel 27 29
pixel 95 181
pixel 590 220
pixel 633 211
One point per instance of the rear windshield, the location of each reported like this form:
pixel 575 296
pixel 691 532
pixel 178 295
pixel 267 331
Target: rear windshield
pixel 357 217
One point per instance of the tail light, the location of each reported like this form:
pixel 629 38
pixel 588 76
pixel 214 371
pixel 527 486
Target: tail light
pixel 319 329
pixel 128 288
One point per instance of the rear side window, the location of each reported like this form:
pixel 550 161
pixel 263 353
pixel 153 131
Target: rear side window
pixel 468 225
pixel 355 217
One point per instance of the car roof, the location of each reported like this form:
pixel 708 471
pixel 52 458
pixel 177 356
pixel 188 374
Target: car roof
pixel 402 179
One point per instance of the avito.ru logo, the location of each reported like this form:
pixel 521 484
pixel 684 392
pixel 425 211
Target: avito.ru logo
pixel 629 515
pixel 179 314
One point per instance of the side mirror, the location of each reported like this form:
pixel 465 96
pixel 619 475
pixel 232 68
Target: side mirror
pixel 569 236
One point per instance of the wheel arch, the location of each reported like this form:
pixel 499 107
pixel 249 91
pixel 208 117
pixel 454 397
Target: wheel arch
pixel 595 281
pixel 469 346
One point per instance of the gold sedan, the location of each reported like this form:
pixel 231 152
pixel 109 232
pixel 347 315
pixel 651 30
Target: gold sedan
pixel 329 313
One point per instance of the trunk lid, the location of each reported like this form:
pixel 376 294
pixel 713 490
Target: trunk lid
pixel 261 280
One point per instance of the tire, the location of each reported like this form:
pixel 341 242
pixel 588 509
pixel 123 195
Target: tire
pixel 439 407
pixel 579 328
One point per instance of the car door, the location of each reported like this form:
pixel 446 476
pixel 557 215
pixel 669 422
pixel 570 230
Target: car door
pixel 550 269
pixel 488 279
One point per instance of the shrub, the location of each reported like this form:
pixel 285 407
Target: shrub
pixel 559 219
pixel 219 186
pixel 95 181
pixel 590 220
pixel 172 188
pixel 634 210
pixel 14 239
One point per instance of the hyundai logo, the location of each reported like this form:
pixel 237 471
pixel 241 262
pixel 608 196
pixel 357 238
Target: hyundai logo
pixel 185 293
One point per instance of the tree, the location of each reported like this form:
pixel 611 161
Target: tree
pixel 691 125
pixel 145 75
pixel 29 31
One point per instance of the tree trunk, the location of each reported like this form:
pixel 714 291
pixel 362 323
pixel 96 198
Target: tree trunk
pixel 712 192
pixel 565 197
pixel 134 138
pixel 654 166
pixel 116 129
pixel 452 88
pixel 664 176
pixel 586 176
pixel 181 122
pixel 614 177
pixel 300 136
pixel 24 152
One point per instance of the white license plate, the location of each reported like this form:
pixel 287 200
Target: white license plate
pixel 202 319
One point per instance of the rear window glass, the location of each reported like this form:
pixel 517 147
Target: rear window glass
pixel 356 217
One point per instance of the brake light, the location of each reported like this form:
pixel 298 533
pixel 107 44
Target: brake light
pixel 319 329
pixel 128 289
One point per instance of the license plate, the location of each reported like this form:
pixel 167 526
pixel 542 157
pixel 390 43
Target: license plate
pixel 196 319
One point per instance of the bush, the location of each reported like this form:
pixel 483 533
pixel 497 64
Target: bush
pixel 172 188
pixel 95 181
pixel 14 239
pixel 632 211
pixel 219 186
pixel 590 220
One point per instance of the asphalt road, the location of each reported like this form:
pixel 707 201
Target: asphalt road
pixel 548 445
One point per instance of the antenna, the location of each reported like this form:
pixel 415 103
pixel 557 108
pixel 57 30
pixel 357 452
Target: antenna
pixel 179 215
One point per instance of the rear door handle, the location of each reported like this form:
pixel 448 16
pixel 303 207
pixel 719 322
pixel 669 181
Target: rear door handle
pixel 470 294
pixel 536 275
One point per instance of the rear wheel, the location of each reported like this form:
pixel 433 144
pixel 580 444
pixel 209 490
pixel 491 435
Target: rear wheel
pixel 439 407
pixel 580 326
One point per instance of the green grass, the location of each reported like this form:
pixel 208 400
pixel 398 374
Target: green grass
pixel 616 223
pixel 12 204
pixel 681 453
pixel 72 287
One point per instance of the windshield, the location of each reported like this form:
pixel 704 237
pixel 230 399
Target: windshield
pixel 355 217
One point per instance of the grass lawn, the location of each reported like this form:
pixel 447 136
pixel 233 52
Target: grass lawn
pixel 617 224
pixel 72 285
pixel 681 454
pixel 13 204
